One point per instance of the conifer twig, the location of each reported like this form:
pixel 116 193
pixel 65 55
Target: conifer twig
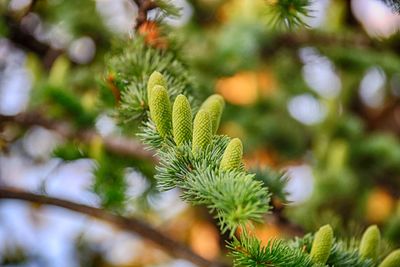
pixel 171 246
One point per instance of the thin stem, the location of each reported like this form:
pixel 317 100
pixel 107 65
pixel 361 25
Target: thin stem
pixel 144 6
pixel 169 245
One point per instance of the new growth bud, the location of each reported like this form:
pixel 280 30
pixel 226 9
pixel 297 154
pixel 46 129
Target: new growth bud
pixel 202 131
pixel 370 242
pixel 182 120
pixel 214 105
pixel 232 155
pixel 392 260
pixel 155 78
pixel 322 244
pixel 160 110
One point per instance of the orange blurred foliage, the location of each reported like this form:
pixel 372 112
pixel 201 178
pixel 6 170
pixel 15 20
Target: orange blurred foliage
pixel 151 33
pixel 204 239
pixel 244 88
pixel 232 129
pixel 268 232
pixel 114 89
pixel 261 158
pixel 379 206
pixel 265 233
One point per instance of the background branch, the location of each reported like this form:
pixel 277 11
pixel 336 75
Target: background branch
pixel 25 40
pixel 171 246
pixel 116 144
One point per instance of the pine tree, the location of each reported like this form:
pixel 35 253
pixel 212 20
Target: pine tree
pixel 153 86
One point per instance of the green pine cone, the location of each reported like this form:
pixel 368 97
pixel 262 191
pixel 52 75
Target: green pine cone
pixel 160 110
pixel 232 155
pixel 322 244
pixel 156 78
pixel 392 260
pixel 370 242
pixel 214 105
pixel 182 120
pixel 202 131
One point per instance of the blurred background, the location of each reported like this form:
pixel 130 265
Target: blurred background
pixel 321 103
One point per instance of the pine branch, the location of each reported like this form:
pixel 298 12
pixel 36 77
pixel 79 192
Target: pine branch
pixel 234 197
pixel 173 247
pixel 248 251
pixel 314 250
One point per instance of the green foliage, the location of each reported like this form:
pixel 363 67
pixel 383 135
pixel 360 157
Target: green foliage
pixel 370 242
pixel 392 229
pixel 109 183
pixel 69 151
pixel 202 131
pixel 151 138
pixel 177 162
pixel 248 251
pixel 182 120
pixel 234 196
pixel 71 104
pixel 167 8
pixel 381 152
pixel 273 180
pixel 289 13
pixel 84 20
pixel 232 157
pixel 322 244
pixel 342 254
pixel 160 110
pixel 214 105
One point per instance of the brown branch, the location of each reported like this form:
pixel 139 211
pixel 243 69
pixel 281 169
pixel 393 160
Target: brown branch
pixel 144 6
pixel 25 40
pixel 169 245
pixel 115 144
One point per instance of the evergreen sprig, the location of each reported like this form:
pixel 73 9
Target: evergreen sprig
pixel 168 8
pixel 234 196
pixel 248 251
pixel 130 67
pixel 342 256
pixel 342 253
pixel 289 13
